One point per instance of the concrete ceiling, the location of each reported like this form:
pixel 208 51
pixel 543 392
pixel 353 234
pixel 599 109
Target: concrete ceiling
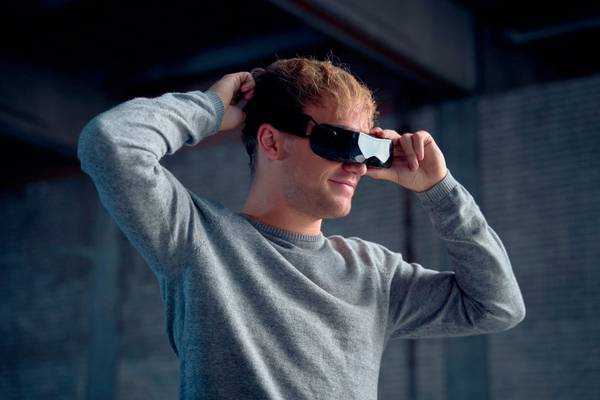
pixel 125 46
pixel 63 61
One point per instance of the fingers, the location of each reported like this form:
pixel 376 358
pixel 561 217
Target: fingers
pixel 384 133
pixel 240 86
pixel 246 81
pixel 413 145
pixel 247 85
pixel 418 141
pixel 410 145
pixel 407 146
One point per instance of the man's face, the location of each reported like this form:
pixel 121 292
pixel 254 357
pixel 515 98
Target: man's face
pixel 316 186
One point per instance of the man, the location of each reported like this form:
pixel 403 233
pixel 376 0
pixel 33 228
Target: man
pixel 259 303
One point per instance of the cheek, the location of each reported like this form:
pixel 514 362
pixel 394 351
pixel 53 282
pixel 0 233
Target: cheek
pixel 322 169
pixel 312 169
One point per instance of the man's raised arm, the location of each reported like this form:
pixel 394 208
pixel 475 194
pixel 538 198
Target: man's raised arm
pixel 481 295
pixel 121 150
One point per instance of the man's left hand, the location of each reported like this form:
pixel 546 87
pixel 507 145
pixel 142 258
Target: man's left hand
pixel 418 163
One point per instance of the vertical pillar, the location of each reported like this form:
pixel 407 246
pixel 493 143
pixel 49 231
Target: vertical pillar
pixel 467 373
pixel 409 254
pixel 102 363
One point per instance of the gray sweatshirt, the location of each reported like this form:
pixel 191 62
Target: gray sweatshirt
pixel 256 312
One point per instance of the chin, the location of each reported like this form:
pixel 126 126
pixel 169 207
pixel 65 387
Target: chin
pixel 335 216
pixel 338 211
pixel 319 203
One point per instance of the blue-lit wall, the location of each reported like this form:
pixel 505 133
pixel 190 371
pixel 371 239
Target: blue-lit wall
pixel 81 314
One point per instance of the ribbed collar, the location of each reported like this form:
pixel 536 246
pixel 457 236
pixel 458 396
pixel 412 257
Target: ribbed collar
pixel 299 239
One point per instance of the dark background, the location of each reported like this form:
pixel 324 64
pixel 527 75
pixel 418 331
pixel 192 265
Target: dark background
pixel 509 89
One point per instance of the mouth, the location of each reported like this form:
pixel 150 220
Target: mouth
pixel 347 185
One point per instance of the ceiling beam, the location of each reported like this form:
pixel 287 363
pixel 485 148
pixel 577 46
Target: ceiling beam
pixel 427 40
pixel 226 55
pixel 552 31
pixel 44 108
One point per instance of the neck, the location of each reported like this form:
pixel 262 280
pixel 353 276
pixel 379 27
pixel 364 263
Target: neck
pixel 272 209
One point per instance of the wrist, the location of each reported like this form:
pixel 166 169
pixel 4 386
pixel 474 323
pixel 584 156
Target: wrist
pixel 219 107
pixel 432 185
pixel 438 191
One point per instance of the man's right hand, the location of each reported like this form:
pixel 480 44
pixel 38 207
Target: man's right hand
pixel 232 88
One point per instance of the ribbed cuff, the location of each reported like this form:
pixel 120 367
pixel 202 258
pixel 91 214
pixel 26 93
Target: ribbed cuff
pixel 441 189
pixel 219 107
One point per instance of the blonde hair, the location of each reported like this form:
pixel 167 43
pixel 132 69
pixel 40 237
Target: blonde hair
pixel 300 82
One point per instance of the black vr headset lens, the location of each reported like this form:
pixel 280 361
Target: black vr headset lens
pixel 336 143
pixel 341 144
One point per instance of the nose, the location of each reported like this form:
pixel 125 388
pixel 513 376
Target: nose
pixel 356 168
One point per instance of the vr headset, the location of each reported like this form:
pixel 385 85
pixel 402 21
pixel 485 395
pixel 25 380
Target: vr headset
pixel 339 144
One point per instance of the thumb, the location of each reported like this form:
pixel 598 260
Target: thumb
pixel 374 173
pixel 232 118
pixel 377 132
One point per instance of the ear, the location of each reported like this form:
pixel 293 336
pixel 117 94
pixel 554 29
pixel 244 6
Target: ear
pixel 270 141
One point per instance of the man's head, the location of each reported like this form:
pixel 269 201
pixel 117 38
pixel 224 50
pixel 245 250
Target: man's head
pixel 330 95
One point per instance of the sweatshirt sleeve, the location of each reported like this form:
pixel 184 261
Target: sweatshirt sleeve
pixel 480 296
pixel 121 150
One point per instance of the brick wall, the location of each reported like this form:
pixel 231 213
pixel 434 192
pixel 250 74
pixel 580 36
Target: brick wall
pixel 540 173
pixel 81 315
pixel 45 299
